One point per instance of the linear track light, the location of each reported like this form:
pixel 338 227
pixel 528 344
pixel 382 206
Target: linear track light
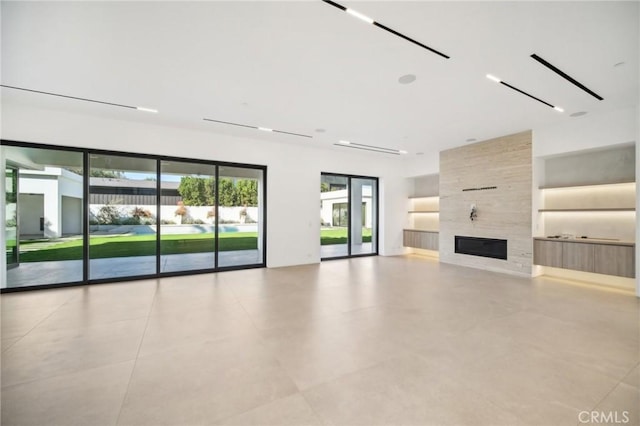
pixel 504 83
pixel 566 76
pixel 79 99
pixel 347 144
pixel 383 27
pixel 264 129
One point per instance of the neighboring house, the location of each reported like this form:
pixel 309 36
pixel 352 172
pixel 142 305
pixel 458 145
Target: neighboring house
pixel 334 207
pixel 49 202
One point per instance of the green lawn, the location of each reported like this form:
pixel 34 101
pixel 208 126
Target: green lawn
pixel 339 236
pixel 139 245
pixel 145 245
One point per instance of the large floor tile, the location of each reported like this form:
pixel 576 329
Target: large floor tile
pixel 171 329
pixel 325 350
pixel 89 397
pixel 19 322
pixel 633 377
pixel 611 354
pixel 295 307
pixel 43 354
pixel 403 390
pixel 621 406
pixel 38 299
pixel 378 340
pixel 203 383
pixel 292 410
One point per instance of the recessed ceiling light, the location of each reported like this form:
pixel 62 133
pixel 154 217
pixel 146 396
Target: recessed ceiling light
pixel 345 142
pixel 402 151
pixel 407 79
pixel 155 111
pixel 471 140
pixel 320 130
pixel 419 153
pixel 578 114
pixel 557 108
pixel 265 129
pixel 619 64
pixel 360 16
pixel 493 78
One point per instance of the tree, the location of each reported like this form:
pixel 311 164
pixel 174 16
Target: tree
pixel 227 196
pixel 197 191
pixel 324 187
pixel 247 192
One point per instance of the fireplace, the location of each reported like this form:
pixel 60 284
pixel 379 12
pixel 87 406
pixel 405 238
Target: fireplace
pixel 485 247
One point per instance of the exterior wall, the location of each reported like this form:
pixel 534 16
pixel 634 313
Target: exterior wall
pixel 71 215
pixel 328 199
pixel 503 213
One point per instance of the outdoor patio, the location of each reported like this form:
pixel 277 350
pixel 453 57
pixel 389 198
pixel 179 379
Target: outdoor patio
pixel 35 273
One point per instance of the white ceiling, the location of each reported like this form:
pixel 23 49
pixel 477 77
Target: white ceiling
pixel 301 66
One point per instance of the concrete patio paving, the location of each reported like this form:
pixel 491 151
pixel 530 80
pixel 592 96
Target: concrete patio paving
pixel 53 272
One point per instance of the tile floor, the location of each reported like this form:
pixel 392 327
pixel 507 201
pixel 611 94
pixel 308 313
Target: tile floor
pixel 368 341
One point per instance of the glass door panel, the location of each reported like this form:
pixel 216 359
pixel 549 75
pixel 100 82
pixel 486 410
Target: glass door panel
pixel 44 226
pixel 122 216
pixel 240 216
pixel 364 216
pixel 334 216
pixel 187 216
pixel 11 217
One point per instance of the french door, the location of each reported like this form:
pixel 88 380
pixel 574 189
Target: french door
pixel 349 216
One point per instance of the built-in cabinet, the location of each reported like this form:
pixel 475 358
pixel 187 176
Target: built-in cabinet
pixel 589 228
pixel 416 238
pixel 600 257
pixel 424 214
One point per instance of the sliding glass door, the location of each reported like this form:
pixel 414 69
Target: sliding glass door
pixel 44 230
pixel 240 216
pixel 187 216
pixel 122 216
pixel 349 216
pixel 75 215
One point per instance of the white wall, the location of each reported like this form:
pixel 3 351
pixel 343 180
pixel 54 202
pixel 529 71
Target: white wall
pixel 587 132
pixel 293 175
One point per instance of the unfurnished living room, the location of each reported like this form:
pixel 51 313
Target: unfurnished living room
pixel 320 213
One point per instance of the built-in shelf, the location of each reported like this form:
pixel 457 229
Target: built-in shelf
pixel 585 184
pixel 615 209
pixel 424 211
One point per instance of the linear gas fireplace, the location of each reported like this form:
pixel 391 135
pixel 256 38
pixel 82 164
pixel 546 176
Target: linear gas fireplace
pixel 485 247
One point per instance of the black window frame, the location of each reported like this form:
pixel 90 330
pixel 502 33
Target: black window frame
pixel 376 205
pixel 85 216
